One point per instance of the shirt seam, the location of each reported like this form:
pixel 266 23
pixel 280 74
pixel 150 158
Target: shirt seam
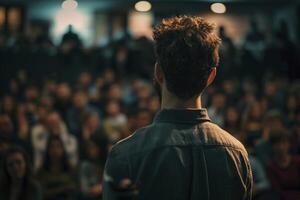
pixel 126 156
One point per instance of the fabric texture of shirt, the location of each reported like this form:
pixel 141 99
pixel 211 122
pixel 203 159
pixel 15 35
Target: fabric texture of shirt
pixel 182 155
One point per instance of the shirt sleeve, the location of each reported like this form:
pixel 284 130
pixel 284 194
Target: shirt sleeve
pixel 249 177
pixel 116 181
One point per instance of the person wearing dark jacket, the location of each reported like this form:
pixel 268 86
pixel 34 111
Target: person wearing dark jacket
pixel 182 155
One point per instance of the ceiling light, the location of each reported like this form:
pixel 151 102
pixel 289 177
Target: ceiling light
pixel 218 8
pixel 143 6
pixel 69 5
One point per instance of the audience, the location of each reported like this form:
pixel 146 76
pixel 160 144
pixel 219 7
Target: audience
pixel 68 109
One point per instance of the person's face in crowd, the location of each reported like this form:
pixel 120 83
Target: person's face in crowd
pixel 14 86
pixel 250 98
pixel 16 165
pixel 249 86
pixel 93 121
pixel 31 93
pixel 56 150
pixel 113 108
pixel 121 54
pixel 109 76
pixel 50 87
pixel 114 92
pixel 292 103
pixel 47 101
pixel 143 118
pixel 63 91
pixel 30 107
pixel 275 124
pixel 154 104
pixel 3 148
pixel 53 123
pixel 80 100
pixel 256 111
pixel 99 83
pixel 281 148
pixel 42 113
pixel 218 100
pixel 229 86
pixel 6 125
pixel 22 76
pixel 8 104
pixel 232 115
pixel 85 79
pixel 93 151
pixel 270 89
pixel 144 91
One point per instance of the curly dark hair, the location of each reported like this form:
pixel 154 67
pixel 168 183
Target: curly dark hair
pixel 187 50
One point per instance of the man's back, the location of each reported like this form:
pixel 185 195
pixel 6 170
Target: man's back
pixel 181 156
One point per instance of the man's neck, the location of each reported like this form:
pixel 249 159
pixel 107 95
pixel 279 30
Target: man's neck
pixel 171 101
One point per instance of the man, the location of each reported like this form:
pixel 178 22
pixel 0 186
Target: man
pixel 182 155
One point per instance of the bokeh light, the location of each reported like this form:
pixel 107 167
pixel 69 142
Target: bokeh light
pixel 143 6
pixel 69 4
pixel 218 8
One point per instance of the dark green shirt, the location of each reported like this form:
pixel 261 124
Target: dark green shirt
pixel 182 155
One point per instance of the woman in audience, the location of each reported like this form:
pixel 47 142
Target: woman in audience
pixel 252 124
pixel 272 125
pixel 115 122
pixel 56 175
pixel 54 126
pixel 284 169
pixel 92 131
pixel 232 122
pixel 16 182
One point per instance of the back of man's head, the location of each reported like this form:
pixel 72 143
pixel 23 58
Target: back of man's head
pixel 187 51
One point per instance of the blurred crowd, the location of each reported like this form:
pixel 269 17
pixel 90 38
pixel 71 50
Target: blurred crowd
pixel 63 107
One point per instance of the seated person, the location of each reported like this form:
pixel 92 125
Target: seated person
pixel 284 169
pixel 16 181
pixel 91 170
pixel 56 175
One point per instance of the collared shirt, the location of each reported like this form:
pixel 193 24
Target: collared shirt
pixel 182 155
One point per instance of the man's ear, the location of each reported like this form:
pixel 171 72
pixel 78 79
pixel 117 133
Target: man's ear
pixel 211 76
pixel 158 73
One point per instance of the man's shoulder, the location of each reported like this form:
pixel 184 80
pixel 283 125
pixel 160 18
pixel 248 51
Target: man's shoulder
pixel 131 143
pixel 207 134
pixel 215 135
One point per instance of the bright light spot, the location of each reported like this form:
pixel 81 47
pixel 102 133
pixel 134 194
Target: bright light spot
pixel 218 8
pixel 143 6
pixel 140 24
pixel 69 5
pixel 77 19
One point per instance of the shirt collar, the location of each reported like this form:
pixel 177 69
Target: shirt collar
pixel 182 115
